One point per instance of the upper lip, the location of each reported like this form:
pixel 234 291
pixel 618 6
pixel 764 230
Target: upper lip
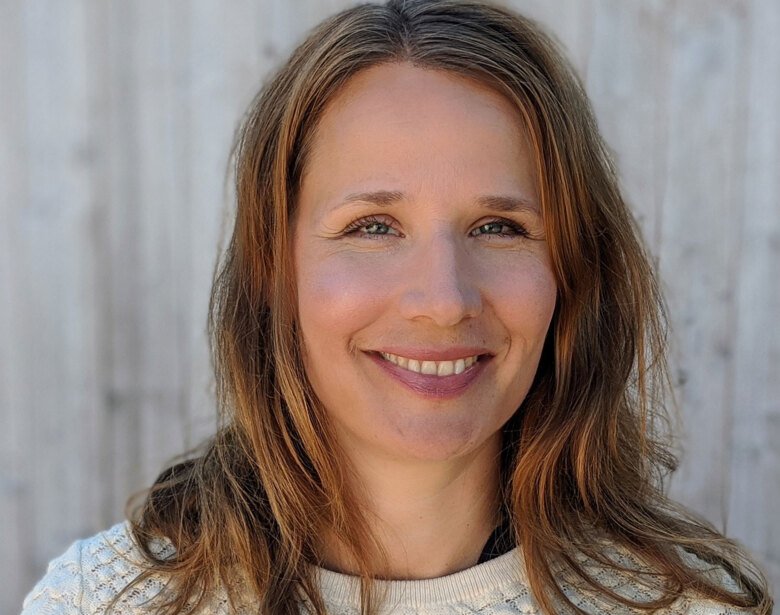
pixel 436 354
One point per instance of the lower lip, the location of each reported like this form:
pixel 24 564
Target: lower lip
pixel 434 387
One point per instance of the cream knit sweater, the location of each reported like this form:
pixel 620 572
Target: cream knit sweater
pixel 90 574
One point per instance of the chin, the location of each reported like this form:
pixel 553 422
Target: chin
pixel 430 440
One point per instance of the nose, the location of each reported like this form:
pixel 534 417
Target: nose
pixel 441 285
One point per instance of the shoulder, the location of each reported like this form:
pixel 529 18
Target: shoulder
pixel 693 606
pixel 92 573
pixel 627 575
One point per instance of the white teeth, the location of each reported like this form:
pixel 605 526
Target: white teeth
pixel 460 366
pixel 428 367
pixel 446 368
pixel 431 368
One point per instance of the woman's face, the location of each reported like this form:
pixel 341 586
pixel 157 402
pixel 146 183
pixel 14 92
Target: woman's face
pixel 425 288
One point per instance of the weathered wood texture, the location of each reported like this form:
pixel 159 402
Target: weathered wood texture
pixel 115 125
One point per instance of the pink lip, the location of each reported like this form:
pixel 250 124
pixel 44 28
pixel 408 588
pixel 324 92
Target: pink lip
pixel 434 387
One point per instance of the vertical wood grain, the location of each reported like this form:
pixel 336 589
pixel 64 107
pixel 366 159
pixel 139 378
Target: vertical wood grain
pixel 754 496
pixel 627 68
pixel 700 239
pixel 17 564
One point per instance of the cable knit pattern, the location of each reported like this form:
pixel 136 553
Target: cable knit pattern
pixel 92 572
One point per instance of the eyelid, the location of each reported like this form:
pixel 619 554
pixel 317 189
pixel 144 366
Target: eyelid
pixel 364 221
pixel 519 230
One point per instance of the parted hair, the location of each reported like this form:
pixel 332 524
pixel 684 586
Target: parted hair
pixel 586 453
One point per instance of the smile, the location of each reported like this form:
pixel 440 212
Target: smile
pixel 431 368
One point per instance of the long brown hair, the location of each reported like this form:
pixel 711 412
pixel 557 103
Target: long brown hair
pixel 584 454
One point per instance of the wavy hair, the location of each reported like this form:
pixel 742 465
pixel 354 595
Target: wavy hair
pixel 586 452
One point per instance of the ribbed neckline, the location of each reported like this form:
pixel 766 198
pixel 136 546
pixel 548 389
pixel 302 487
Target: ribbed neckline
pixel 500 572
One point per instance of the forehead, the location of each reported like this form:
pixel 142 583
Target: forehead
pixel 398 126
pixel 383 89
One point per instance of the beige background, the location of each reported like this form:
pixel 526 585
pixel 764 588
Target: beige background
pixel 115 123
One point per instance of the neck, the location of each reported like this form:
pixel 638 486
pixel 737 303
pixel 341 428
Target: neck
pixel 429 518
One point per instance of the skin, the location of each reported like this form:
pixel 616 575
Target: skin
pixel 398 249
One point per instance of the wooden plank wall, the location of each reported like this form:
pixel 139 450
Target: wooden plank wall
pixel 115 125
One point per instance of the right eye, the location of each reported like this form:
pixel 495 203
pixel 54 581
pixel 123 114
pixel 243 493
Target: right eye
pixel 370 226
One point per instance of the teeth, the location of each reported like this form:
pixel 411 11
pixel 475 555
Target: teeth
pixel 431 368
pixel 446 368
pixel 428 367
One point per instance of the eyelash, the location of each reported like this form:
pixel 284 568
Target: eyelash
pixel 517 230
pixel 362 223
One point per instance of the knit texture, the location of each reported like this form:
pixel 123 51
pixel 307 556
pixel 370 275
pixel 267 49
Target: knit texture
pixel 92 572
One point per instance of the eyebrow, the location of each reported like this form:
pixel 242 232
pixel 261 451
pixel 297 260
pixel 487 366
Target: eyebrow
pixel 383 198
pixel 496 202
pixel 507 204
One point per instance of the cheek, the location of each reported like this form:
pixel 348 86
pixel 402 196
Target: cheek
pixel 338 294
pixel 542 294
pixel 524 295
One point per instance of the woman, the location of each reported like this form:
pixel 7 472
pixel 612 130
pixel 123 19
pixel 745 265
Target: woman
pixel 439 348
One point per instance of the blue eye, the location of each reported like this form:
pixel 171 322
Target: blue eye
pixel 377 228
pixel 371 227
pixel 502 228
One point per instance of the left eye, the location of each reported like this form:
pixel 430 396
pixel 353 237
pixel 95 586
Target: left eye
pixel 498 227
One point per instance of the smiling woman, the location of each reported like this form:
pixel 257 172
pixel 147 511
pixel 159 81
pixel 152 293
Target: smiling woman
pixel 437 306
pixel 440 354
